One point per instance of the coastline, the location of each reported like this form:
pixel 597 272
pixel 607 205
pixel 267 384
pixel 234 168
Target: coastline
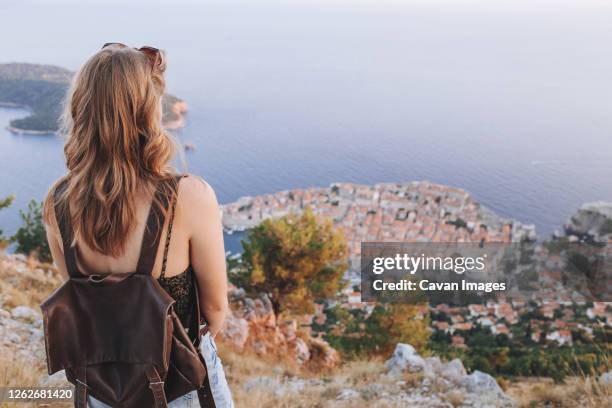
pixel 19 131
pixel 12 105
pixel 418 211
pixel 179 109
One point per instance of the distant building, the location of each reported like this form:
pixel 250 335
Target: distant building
pixel 442 326
pixel 500 329
pixel 354 297
pixel 486 321
pixel 563 337
pixel 477 310
pixel 597 311
pixel 457 318
pixel 461 327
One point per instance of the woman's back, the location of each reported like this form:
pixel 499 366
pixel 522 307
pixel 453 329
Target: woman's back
pixel 178 253
pixel 195 248
pixel 118 159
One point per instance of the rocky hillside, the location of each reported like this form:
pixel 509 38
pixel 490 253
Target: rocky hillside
pixel 253 327
pixel 272 363
pixel 23 285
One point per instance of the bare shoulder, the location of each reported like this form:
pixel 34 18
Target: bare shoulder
pixel 196 195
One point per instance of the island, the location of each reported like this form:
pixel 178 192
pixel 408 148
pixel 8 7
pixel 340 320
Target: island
pixel 42 88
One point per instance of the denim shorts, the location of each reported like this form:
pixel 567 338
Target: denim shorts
pixel 216 376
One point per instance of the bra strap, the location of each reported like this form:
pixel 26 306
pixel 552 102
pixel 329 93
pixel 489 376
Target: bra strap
pixel 168 235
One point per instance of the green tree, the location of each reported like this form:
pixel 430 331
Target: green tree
pixel 31 238
pixel 296 260
pixel 3 204
pixel 394 323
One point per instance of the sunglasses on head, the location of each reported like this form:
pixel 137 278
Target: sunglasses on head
pixel 152 53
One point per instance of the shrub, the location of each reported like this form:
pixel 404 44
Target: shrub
pixel 295 259
pixel 31 238
pixel 3 204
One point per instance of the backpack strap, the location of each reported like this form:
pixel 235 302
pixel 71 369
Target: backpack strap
pixel 62 216
pixel 198 327
pixel 166 191
pixel 157 387
pixel 80 395
pixel 205 395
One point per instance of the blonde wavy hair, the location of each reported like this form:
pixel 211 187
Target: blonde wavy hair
pixel 115 145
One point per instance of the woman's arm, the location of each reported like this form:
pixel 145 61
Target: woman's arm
pixel 207 252
pixel 55 241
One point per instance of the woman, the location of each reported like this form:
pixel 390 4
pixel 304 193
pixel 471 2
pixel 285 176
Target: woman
pixel 117 155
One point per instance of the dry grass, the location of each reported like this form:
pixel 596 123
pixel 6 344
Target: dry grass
pixel 360 373
pixel 248 365
pixel 577 392
pixel 359 376
pixel 594 393
pixel 28 287
pixel 241 368
pixel 455 397
pixel 581 390
pixel 15 372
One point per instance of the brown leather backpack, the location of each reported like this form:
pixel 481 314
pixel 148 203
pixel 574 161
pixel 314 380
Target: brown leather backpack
pixel 117 335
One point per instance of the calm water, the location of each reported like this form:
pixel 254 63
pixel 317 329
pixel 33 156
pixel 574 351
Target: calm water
pixel 509 102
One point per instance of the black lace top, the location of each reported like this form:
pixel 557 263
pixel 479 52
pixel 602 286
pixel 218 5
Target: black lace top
pixel 182 289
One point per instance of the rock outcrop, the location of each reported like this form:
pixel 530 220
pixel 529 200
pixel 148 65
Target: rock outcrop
pixel 592 222
pixel 405 380
pixel 252 326
pixel 405 358
pixel 477 389
pixel 174 110
pixel 606 379
pixel 21 334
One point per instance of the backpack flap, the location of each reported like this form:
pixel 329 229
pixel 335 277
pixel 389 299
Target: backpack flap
pixel 92 320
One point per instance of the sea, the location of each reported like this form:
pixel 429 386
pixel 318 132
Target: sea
pixel 508 100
